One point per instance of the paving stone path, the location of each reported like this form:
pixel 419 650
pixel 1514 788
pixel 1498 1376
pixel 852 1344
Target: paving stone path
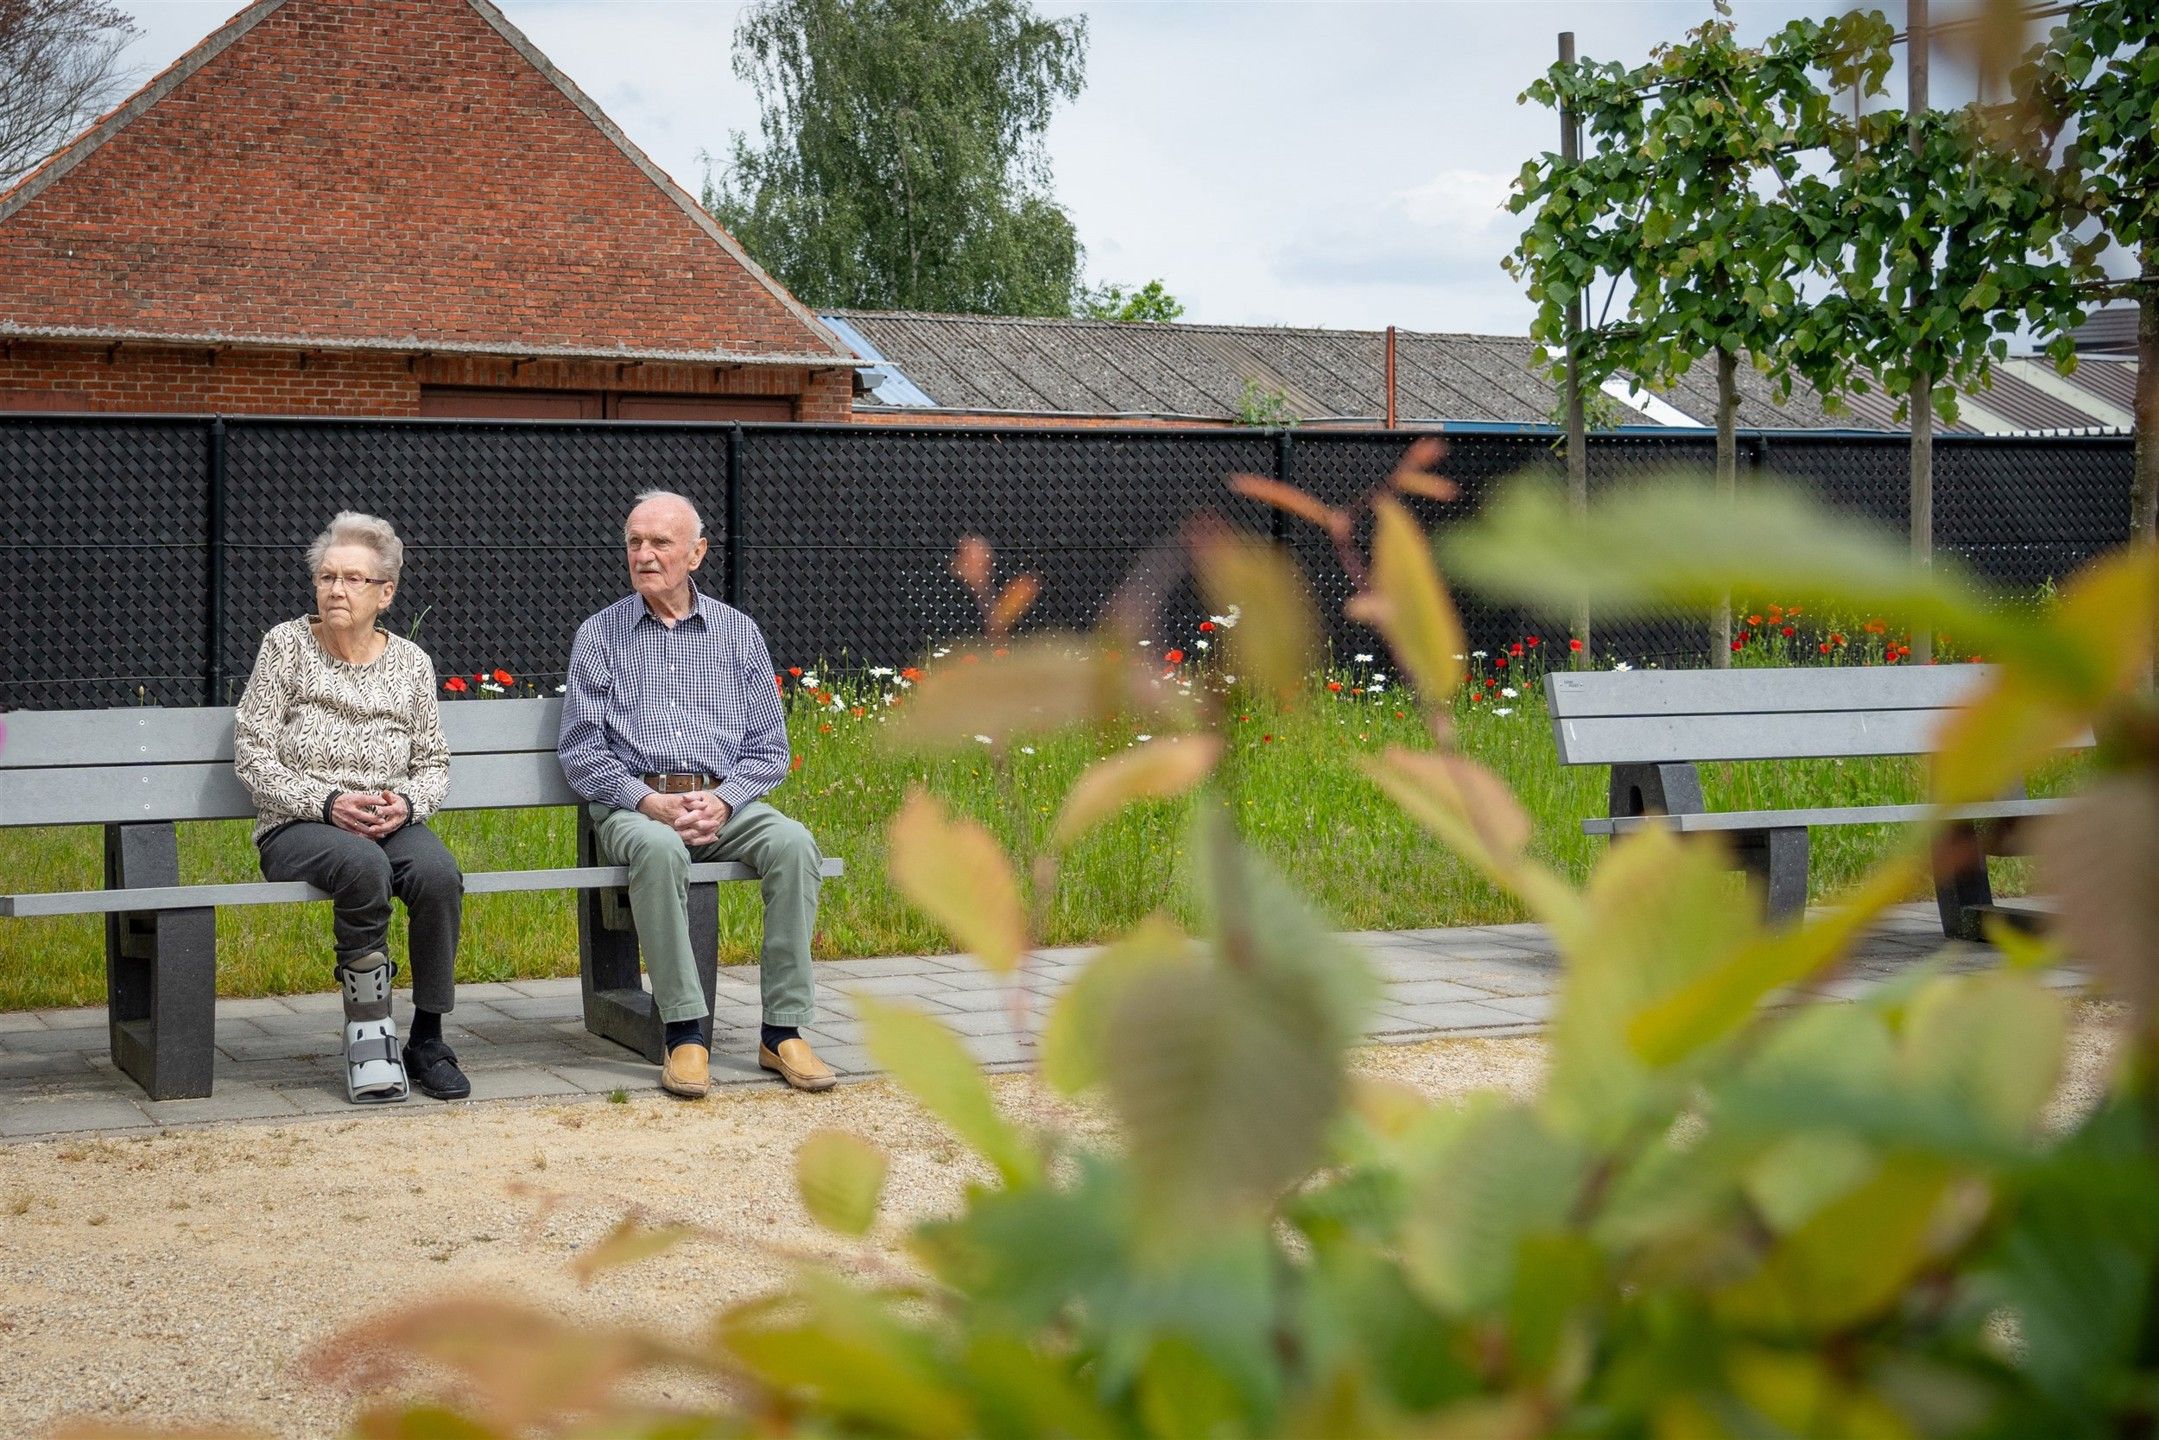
pixel 525 1040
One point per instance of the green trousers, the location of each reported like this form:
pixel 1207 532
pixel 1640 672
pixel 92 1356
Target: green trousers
pixel 787 861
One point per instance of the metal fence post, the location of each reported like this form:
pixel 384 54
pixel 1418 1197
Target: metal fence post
pixel 733 584
pixel 1277 523
pixel 213 678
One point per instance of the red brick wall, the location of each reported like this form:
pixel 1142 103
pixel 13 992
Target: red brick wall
pixel 165 380
pixel 379 170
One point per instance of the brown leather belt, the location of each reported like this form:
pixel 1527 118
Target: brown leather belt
pixel 680 784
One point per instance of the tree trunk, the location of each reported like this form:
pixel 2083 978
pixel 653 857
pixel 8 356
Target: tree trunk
pixel 1922 638
pixel 1720 643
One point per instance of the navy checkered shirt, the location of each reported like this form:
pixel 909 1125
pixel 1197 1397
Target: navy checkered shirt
pixel 646 698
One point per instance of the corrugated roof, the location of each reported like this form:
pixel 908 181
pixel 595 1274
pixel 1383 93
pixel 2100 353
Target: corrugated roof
pixel 1097 368
pixel 2109 330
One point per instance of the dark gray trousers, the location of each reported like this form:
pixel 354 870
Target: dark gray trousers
pixel 361 875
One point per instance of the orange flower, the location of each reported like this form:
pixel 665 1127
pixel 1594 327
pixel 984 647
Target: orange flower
pixel 456 685
pixel 504 677
pixel 1335 686
pixel 795 764
pixel 1176 657
pixel 910 674
pixel 794 672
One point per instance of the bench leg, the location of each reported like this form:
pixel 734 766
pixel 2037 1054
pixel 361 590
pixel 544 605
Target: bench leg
pixel 160 972
pixel 1777 861
pixel 1656 790
pixel 1962 890
pixel 618 1007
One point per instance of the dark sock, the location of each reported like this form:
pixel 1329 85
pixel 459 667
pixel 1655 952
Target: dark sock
pixel 686 1032
pixel 426 1025
pixel 770 1036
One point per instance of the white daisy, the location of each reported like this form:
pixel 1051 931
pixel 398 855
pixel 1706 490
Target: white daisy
pixel 1503 710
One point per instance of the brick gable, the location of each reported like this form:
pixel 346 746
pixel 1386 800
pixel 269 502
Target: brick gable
pixel 407 171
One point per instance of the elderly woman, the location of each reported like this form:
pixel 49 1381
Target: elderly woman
pixel 339 739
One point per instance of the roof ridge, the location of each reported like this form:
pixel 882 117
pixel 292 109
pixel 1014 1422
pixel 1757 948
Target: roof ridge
pixel 1161 326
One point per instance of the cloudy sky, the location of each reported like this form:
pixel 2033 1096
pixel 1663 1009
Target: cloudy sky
pixel 1333 164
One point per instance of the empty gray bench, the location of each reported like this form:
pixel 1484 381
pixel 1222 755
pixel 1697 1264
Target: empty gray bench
pixel 1655 727
pixel 136 772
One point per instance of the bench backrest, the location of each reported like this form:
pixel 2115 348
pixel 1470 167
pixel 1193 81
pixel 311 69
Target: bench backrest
pixel 82 767
pixel 1640 717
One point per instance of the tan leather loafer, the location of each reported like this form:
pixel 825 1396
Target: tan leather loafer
pixel 688 1072
pixel 798 1065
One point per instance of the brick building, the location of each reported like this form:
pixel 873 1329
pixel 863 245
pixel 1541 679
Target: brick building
pixel 386 207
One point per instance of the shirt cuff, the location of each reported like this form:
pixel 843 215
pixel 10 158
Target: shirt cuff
pixel 327 801
pixel 630 793
pixel 737 792
pixel 411 812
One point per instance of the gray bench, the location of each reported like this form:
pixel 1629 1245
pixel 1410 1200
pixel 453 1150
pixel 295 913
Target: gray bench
pixel 1655 727
pixel 137 772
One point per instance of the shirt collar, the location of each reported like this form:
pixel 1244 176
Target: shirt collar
pixel 703 609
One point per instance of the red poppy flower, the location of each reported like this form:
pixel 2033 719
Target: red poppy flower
pixel 910 674
pixel 1335 686
pixel 478 678
pixel 1174 657
pixel 825 728
pixel 1499 662
pixel 1575 645
pixel 456 685
pixel 1206 627
pixel 1776 613
pixel 1788 632
pixel 1823 647
pixel 779 684
pixel 1532 641
pixel 1754 619
pixel 794 672
pixel 795 764
pixel 1835 638
pixel 1400 716
pixel 504 677
pixel 1736 644
pixel 824 697
pixel 1515 648
pixel 1266 739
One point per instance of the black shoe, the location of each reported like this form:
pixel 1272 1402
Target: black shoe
pixel 432 1065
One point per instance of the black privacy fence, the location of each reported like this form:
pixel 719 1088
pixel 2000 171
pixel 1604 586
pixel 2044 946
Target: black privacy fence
pixel 141 558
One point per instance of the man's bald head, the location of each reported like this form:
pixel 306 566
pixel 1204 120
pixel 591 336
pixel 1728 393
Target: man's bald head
pixel 661 507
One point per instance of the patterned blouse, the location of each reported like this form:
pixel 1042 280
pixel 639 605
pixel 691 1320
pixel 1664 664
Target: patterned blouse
pixel 311 727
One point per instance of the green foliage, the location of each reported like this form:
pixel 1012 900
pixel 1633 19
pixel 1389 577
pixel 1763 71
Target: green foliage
pixel 1150 303
pixel 1264 405
pixel 901 163
pixel 1826 1219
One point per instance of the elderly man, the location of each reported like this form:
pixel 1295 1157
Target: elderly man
pixel 671 727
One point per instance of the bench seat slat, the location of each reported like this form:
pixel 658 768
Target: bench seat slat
pixel 270 892
pixel 1586 694
pixel 127 794
pixel 1830 815
pixel 202 735
pixel 1659 739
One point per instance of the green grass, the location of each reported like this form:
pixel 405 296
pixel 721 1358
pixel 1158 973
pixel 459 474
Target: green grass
pixel 1296 790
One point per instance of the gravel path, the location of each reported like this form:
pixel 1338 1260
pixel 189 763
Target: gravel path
pixel 184 1277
